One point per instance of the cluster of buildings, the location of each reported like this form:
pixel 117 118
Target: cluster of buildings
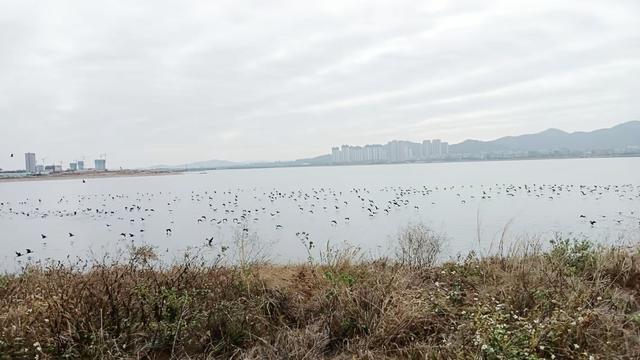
pixel 32 166
pixel 393 151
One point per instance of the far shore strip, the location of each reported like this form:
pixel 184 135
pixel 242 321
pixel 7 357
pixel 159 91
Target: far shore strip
pixel 87 175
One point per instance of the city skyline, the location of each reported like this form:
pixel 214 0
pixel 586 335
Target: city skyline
pixel 393 151
pixel 31 165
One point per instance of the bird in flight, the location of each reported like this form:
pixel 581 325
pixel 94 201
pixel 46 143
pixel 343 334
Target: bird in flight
pixel 11 155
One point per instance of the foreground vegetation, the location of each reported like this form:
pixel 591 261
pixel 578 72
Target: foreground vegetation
pixel 574 300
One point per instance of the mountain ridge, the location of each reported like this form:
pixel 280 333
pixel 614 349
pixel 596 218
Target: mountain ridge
pixel 214 163
pixel 618 136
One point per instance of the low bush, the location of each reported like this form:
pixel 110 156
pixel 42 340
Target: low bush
pixel 418 245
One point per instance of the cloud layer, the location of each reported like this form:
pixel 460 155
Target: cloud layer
pixel 170 82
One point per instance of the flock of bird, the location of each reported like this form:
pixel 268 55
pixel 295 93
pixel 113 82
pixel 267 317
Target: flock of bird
pixel 238 208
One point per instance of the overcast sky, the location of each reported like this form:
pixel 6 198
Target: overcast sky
pixel 150 82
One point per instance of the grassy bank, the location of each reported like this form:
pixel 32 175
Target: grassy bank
pixel 571 301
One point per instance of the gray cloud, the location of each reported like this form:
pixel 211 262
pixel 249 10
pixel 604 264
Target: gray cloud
pixel 168 82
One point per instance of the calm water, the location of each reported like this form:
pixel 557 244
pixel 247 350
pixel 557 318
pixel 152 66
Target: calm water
pixel 360 205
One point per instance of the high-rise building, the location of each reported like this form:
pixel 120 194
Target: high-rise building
pixel 358 154
pixel 80 165
pixel 394 150
pixel 415 151
pixel 73 166
pixel 436 148
pixel 30 162
pixel 371 153
pixel 335 154
pixel 101 165
pixel 445 148
pixel 426 149
pixel 345 154
pixel 400 151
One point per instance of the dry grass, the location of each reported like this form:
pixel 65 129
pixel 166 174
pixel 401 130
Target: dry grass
pixel 573 301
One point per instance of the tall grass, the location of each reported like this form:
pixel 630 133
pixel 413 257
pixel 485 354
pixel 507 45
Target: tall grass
pixel 574 300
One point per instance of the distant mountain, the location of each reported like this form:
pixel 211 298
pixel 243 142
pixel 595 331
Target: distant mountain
pixel 619 136
pixel 318 160
pixel 208 164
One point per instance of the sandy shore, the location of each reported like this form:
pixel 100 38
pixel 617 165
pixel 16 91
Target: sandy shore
pixel 89 175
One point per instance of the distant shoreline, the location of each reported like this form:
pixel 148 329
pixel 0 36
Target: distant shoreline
pixel 89 175
pixel 283 165
pixel 447 161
